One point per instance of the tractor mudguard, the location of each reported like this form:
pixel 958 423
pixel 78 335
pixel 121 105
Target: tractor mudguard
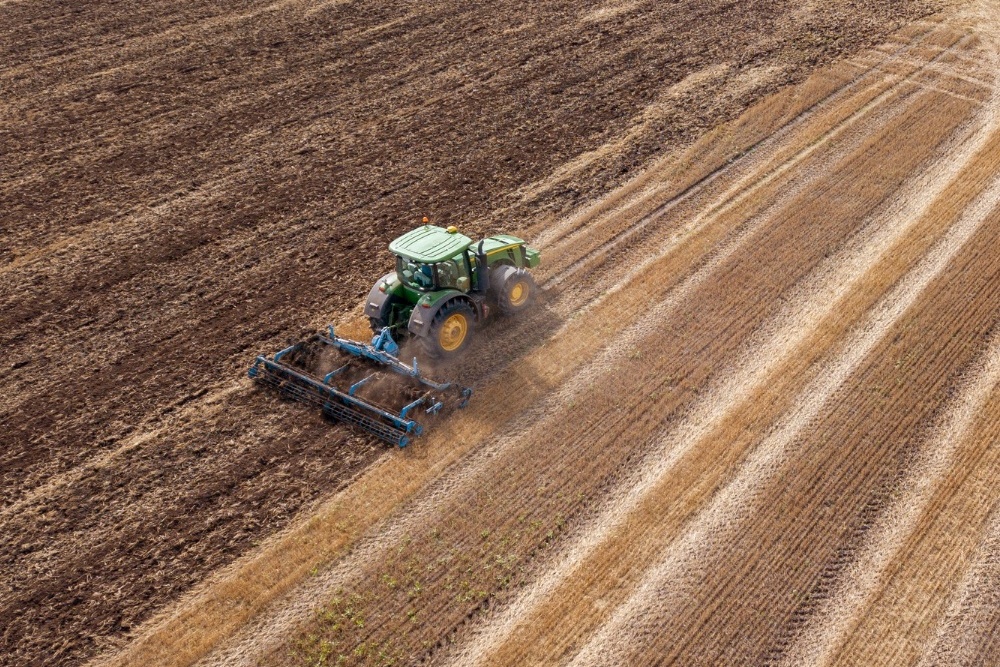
pixel 422 318
pixel 499 275
pixel 377 305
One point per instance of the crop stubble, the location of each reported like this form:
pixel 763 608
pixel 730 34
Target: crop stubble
pixel 911 603
pixel 831 493
pixel 809 333
pixel 491 490
pixel 146 267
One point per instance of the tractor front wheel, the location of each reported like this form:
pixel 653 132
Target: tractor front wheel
pixel 517 292
pixel 451 331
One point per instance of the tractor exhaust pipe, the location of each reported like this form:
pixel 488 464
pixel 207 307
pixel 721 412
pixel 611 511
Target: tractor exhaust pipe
pixel 483 272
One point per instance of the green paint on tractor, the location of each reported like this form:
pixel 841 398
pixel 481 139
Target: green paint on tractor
pixel 445 285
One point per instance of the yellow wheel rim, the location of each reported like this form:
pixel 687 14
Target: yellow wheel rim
pixel 519 294
pixel 453 332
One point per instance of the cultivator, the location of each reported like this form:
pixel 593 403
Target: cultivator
pixel 361 384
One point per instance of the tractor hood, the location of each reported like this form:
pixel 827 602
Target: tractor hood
pixel 429 244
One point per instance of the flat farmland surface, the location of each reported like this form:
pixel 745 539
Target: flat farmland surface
pixel 754 419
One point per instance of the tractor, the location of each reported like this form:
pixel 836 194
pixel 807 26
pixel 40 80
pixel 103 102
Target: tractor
pixel 444 286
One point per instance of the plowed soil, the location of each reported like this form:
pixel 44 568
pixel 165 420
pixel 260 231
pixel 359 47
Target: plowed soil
pixel 755 418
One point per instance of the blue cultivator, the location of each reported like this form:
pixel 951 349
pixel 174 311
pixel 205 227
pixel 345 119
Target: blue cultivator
pixel 360 383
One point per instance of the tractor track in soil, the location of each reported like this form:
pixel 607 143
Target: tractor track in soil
pixel 706 378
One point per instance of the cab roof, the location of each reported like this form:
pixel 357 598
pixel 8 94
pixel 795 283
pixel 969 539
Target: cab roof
pixel 430 244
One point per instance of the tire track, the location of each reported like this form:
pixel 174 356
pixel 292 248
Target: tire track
pixel 733 197
pixel 899 626
pixel 761 358
pixel 827 630
pixel 733 505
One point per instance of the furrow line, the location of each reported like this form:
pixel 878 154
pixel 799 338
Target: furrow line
pixel 760 357
pixel 733 503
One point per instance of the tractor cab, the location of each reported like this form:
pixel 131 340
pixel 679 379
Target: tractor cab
pixel 444 286
pixel 454 273
pixel 429 259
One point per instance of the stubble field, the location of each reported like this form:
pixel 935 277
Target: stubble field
pixel 753 421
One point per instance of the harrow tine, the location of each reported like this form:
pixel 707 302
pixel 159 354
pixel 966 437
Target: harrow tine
pixel 415 404
pixel 289 373
pixel 360 383
pixel 329 376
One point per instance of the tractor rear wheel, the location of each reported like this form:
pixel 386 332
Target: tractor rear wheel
pixel 451 331
pixel 517 292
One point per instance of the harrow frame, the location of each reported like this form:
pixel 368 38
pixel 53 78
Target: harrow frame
pixel 343 403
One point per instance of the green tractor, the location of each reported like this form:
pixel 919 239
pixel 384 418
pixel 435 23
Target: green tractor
pixel 445 285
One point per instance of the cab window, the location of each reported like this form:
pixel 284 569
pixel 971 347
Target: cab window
pixel 453 273
pixel 413 274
